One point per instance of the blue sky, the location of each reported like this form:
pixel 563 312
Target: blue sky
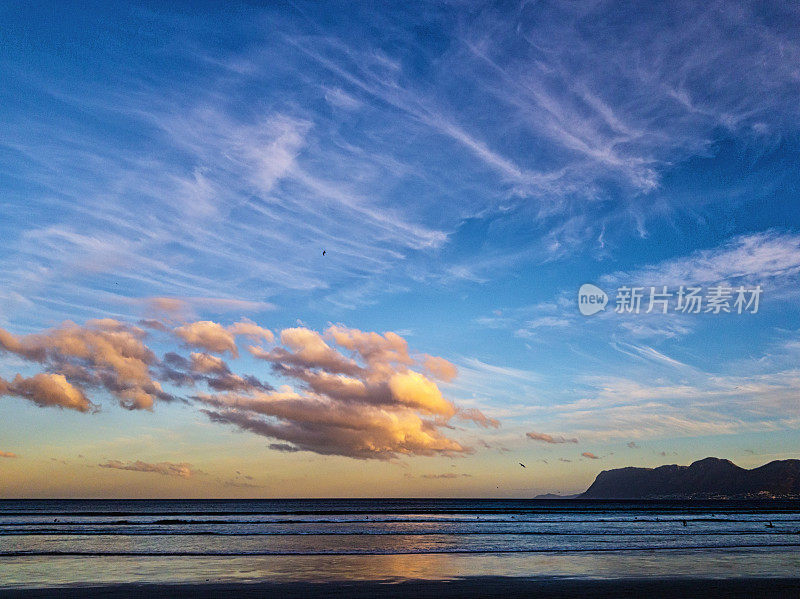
pixel 466 167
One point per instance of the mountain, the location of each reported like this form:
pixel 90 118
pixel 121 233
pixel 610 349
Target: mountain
pixel 708 478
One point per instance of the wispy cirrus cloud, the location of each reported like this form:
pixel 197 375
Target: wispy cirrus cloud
pixel 186 308
pixel 592 134
pixel 685 404
pixel 771 256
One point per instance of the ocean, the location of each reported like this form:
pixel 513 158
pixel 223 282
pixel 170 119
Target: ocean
pixel 74 542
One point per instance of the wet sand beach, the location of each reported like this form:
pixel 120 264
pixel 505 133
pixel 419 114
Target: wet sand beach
pixel 506 587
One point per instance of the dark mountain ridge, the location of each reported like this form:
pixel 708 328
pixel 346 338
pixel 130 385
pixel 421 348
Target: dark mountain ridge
pixel 707 478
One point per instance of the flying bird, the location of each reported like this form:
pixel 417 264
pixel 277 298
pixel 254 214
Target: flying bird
pixel 523 465
pixel 323 252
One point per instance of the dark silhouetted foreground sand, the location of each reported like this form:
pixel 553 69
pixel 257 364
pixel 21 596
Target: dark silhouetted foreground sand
pixel 507 588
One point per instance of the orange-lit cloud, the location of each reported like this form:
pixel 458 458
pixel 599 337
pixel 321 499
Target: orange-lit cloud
pixel 208 369
pixel 206 363
pixel 208 335
pixel 415 390
pixel 440 368
pixel 346 392
pixel 215 338
pixel 48 390
pixel 181 470
pixel 7 454
pixel 307 349
pixel 357 394
pixel 170 305
pixel 478 417
pixel 375 349
pixel 252 331
pixel 185 307
pixel 549 438
pixel 103 354
pixel 590 455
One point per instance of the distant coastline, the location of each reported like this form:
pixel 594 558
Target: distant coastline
pixel 707 479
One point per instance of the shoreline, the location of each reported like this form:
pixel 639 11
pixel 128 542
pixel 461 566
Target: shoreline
pixel 484 586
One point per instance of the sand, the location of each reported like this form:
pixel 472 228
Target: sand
pixel 505 587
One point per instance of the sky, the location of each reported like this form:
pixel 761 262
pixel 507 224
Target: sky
pixel 171 173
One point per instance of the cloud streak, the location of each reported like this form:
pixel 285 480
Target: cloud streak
pixel 544 437
pixel 769 256
pixel 180 470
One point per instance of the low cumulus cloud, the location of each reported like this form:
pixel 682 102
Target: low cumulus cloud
pixel 355 394
pixel 544 437
pixel 208 369
pixel 590 455
pixel 440 368
pixel 633 445
pixel 181 470
pixel 47 390
pixel 345 392
pixel 215 338
pixel 104 353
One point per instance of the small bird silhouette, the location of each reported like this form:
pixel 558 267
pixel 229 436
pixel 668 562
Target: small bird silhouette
pixel 323 252
pixel 523 465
